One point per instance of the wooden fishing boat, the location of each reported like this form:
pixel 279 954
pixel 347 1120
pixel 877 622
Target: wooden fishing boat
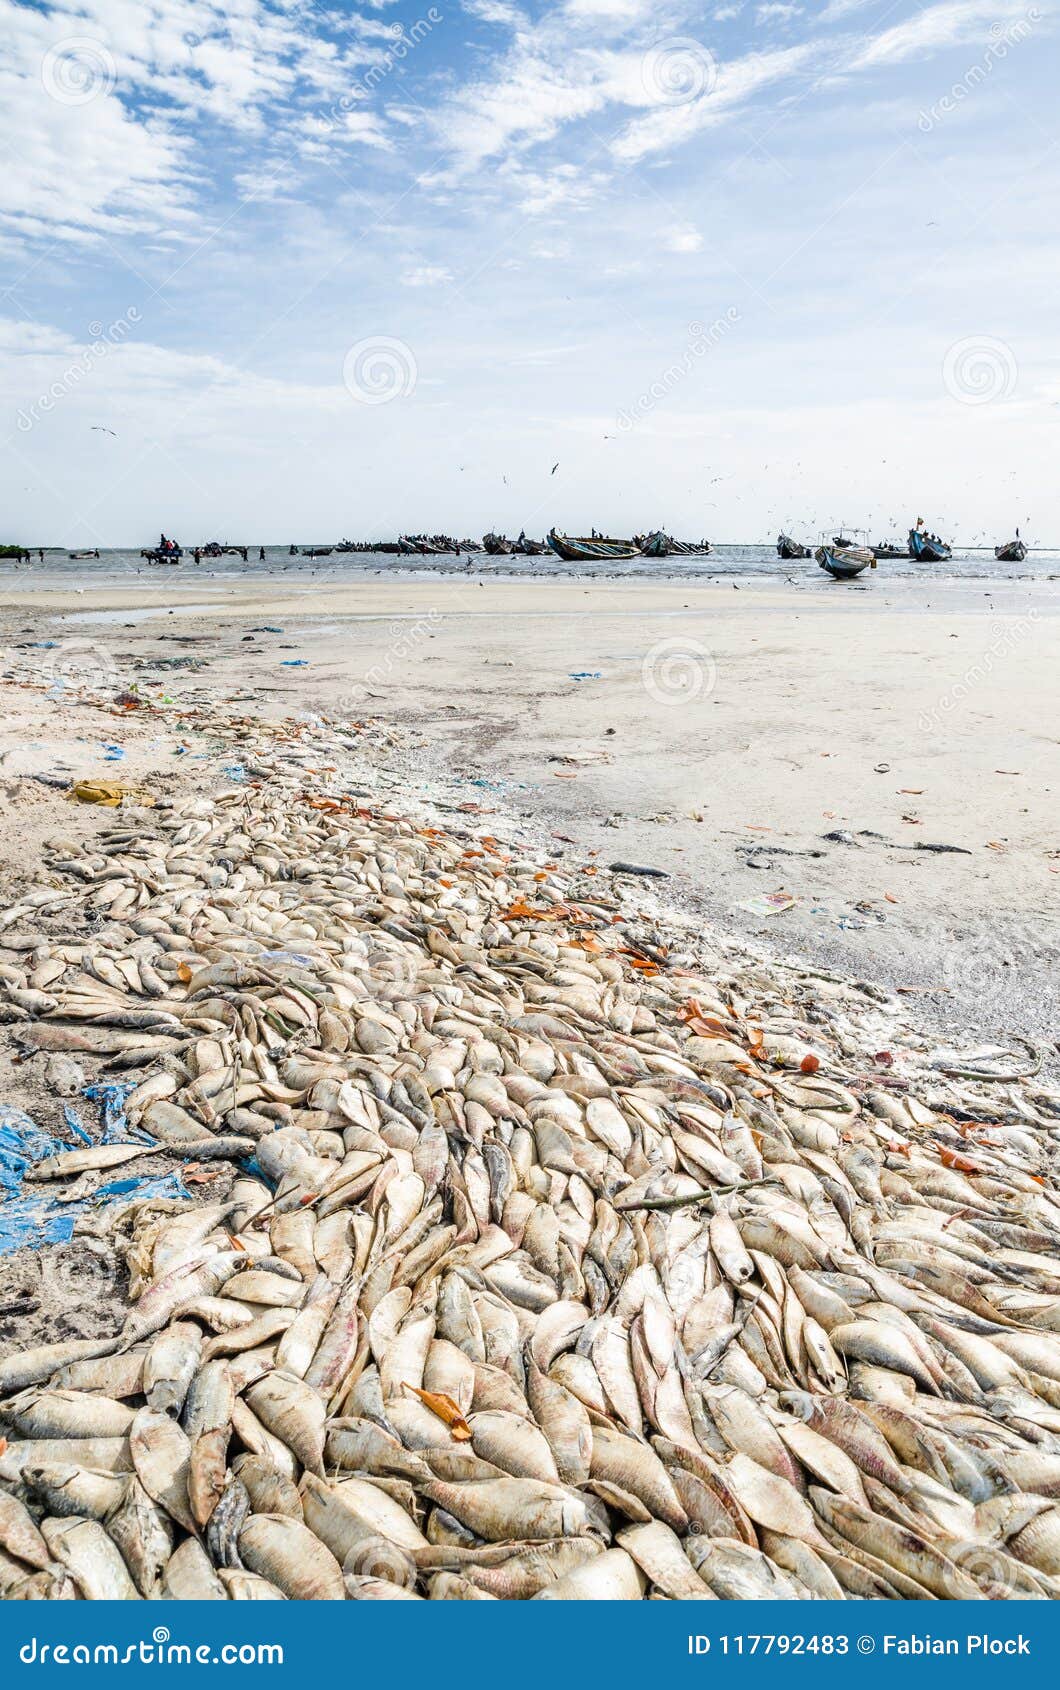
pixel 529 548
pixel 1013 551
pixel 845 564
pixel 789 548
pixel 77 557
pixel 592 549
pixel 496 545
pixel 660 544
pixel 317 551
pixel 927 548
pixel 890 548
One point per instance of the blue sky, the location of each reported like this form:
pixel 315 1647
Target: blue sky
pixel 328 269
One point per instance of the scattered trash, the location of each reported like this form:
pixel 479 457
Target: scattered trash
pixel 767 903
pixel 294 663
pixel 108 793
pixel 584 675
pixel 883 768
pixel 114 753
pixel 234 771
pixel 46 1217
pixel 636 868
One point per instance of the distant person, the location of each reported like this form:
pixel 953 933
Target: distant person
pixel 261 554
pixel 40 554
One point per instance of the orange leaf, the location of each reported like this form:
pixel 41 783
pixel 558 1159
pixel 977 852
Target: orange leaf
pixel 810 1063
pixel 442 1404
pixel 953 1159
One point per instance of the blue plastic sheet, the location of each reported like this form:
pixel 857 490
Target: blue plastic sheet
pixel 34 1219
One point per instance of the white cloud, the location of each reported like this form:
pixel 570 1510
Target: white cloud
pixel 683 237
pixel 104 101
pixel 946 25
pixel 426 276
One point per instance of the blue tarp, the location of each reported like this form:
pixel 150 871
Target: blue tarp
pixel 40 1218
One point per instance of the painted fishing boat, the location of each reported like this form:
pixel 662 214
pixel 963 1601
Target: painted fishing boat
pixel 529 548
pixel 497 545
pixel 1013 551
pixel 925 547
pixel 789 548
pixel 845 564
pixel 890 548
pixel 317 551
pixel 591 549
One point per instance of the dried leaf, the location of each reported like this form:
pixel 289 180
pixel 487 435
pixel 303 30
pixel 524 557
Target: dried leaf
pixel 442 1404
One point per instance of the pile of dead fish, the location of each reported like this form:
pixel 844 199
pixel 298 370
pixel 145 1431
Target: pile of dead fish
pixel 554 1264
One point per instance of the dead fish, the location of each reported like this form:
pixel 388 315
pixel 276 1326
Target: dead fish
pixel 293 1558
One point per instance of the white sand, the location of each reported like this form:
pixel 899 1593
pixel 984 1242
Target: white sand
pixel 764 710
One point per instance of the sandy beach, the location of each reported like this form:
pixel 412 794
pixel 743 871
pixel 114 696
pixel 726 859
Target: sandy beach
pixel 718 732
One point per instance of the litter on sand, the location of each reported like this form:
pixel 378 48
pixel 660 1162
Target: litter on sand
pixel 766 903
pixel 46 1216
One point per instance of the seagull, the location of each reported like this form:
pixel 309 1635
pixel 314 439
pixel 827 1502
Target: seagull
pixel 554 468
pixel 97 428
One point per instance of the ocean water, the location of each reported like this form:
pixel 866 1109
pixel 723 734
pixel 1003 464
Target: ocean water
pixel 114 568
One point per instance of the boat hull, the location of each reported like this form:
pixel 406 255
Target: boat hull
pixel 789 549
pixel 844 565
pixel 581 550
pixel 928 551
pixel 1014 552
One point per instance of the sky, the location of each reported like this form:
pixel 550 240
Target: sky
pixel 280 270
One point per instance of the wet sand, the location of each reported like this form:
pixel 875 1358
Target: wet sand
pixel 720 732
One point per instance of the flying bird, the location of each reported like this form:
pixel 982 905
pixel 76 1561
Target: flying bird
pixel 97 428
pixel 554 468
